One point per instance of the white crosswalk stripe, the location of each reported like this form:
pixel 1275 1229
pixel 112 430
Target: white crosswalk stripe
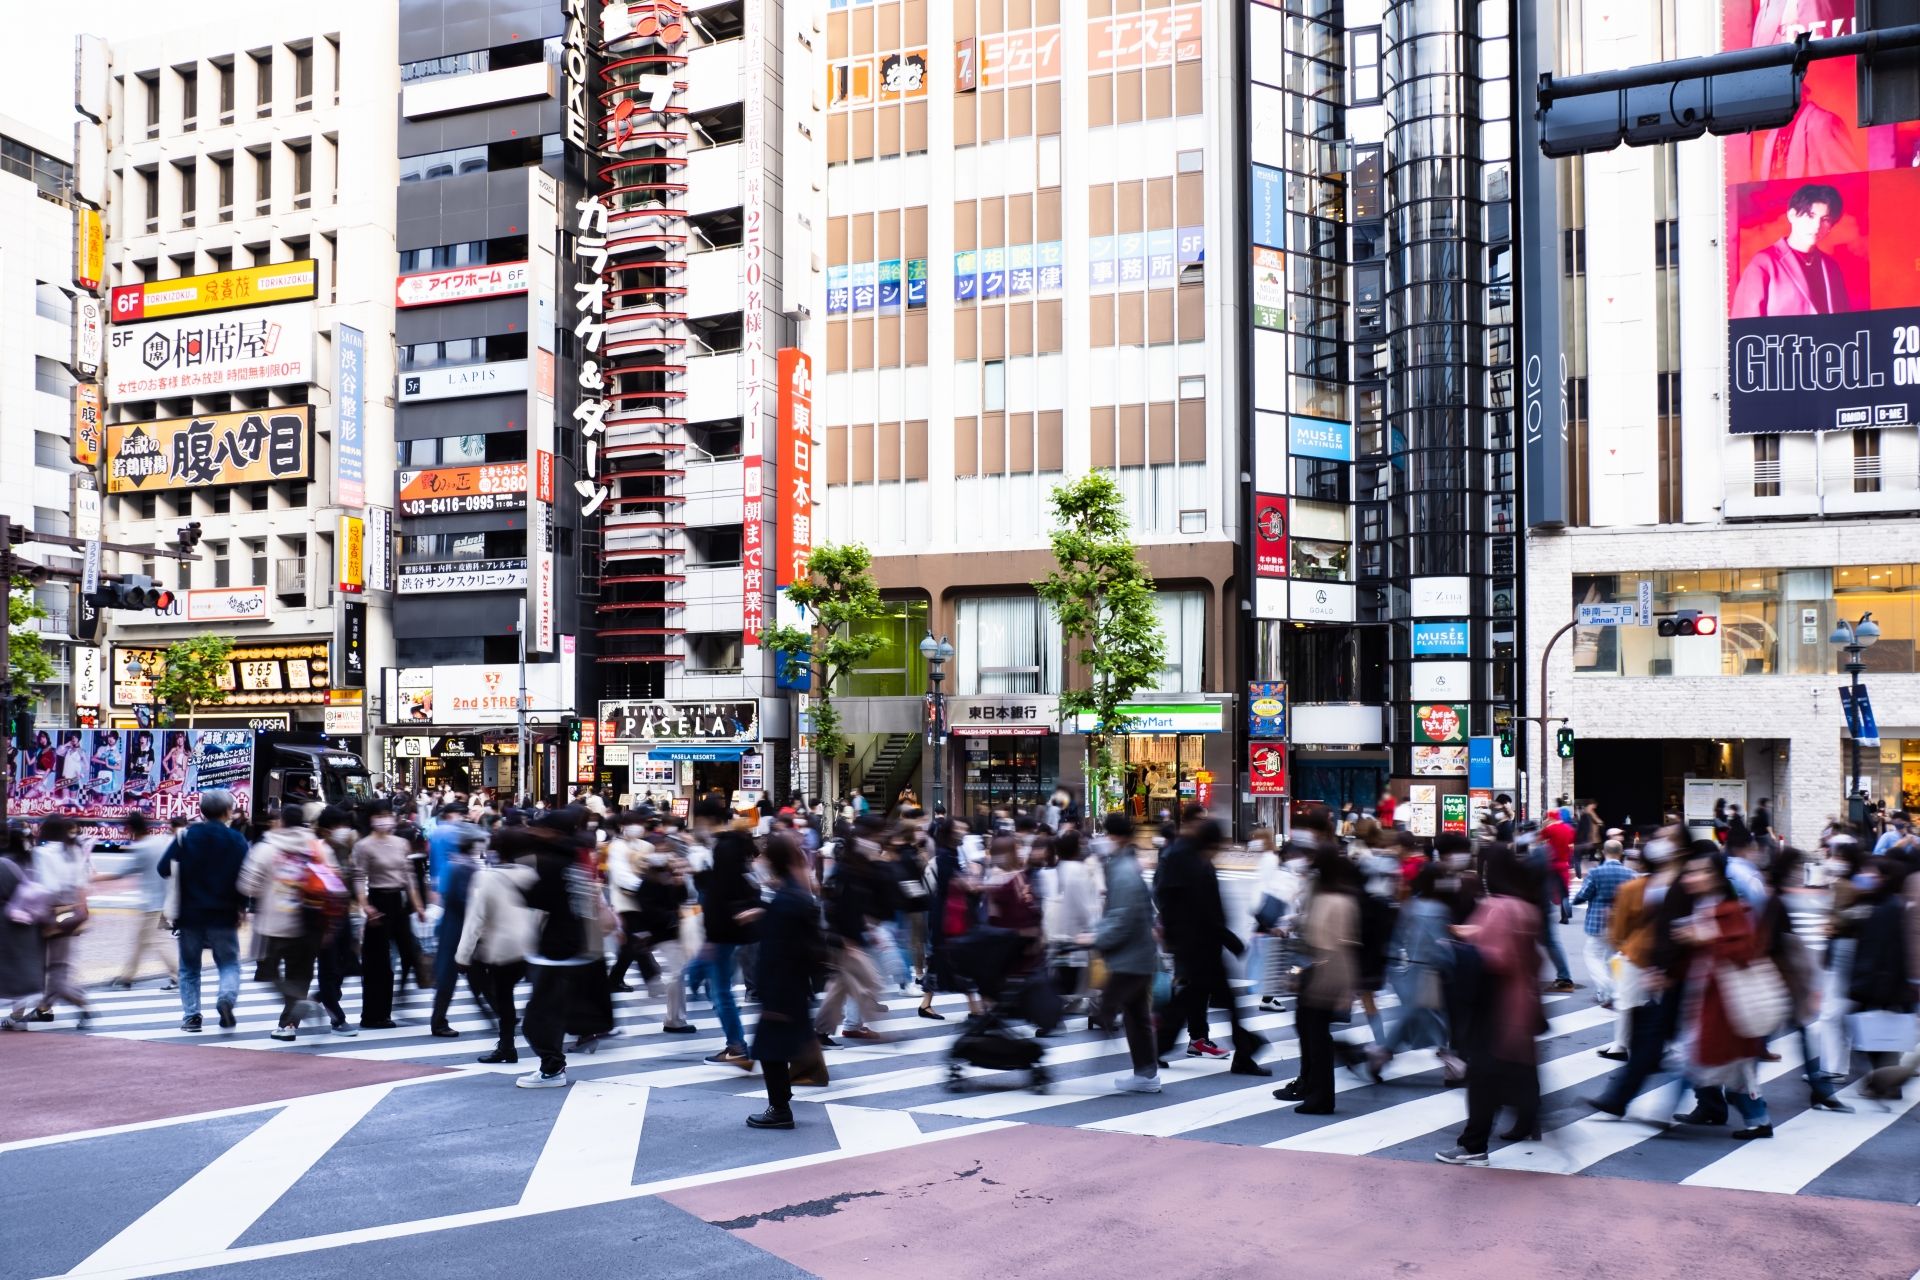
pixel 593 1144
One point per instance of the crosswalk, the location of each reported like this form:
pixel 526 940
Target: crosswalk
pixel 646 1111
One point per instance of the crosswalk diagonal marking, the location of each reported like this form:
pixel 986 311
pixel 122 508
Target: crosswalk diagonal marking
pixel 592 1146
pixel 871 1129
pixel 217 1205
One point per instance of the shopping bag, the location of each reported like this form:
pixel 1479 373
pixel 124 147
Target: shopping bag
pixel 1755 998
pixel 1883 1031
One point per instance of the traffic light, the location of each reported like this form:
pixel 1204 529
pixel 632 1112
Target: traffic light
pixel 1506 743
pixel 1689 622
pixel 188 535
pixel 131 591
pixel 1565 743
pixel 573 731
pixel 19 720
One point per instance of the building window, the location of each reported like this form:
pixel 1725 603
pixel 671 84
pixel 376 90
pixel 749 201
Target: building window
pixel 1366 66
pixel 189 193
pixel 1866 461
pixel 1006 644
pixel 1183 628
pixel 226 91
pixel 263 83
pixel 222 567
pixel 896 668
pixel 302 176
pixel 189 100
pixel 303 79
pixel 151 84
pixel 443 164
pixel 263 178
pixel 1766 466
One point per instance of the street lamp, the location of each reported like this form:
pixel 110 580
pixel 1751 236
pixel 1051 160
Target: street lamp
pixel 1854 637
pixel 937 653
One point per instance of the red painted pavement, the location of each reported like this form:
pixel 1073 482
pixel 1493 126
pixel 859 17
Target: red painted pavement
pixel 52 1083
pixel 1041 1201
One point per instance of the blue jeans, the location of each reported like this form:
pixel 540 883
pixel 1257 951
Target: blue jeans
pixel 1551 939
pixel 194 940
pixel 715 968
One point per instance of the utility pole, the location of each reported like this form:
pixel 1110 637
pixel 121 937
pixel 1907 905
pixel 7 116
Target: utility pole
pixel 520 703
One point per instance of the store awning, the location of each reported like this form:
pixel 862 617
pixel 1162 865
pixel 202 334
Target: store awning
pixel 728 754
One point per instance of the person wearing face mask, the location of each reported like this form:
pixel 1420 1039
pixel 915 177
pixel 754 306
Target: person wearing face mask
pixel 392 890
pixel 1720 1063
pixel 340 954
pixel 1880 980
pixel 456 883
pixel 1845 915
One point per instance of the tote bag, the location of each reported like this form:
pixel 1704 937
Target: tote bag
pixel 1756 998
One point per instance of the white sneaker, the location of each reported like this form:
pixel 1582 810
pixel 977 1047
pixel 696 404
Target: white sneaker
pixel 1137 1084
pixel 540 1080
pixel 1460 1155
pixel 345 1028
pixel 282 1033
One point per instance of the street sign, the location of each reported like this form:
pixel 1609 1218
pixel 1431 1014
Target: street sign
pixel 1606 615
pixel 90 574
pixel 1644 616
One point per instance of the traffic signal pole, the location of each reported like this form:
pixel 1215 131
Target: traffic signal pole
pixel 1543 719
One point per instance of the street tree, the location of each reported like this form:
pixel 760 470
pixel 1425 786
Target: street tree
pixel 192 678
pixel 27 660
pixel 838 594
pixel 1104 599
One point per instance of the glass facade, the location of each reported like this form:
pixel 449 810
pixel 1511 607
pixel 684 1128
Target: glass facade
pixel 1771 621
pixel 1443 467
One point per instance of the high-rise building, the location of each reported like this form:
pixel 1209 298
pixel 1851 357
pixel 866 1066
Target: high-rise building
pixel 1738 317
pixel 46 381
pixel 494 107
pixel 249 247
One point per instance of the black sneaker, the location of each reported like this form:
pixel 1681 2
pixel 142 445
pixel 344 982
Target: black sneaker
pixel 826 1042
pixel 190 1023
pixel 771 1118
pixel 444 1032
pixel 227 1020
pixel 684 1029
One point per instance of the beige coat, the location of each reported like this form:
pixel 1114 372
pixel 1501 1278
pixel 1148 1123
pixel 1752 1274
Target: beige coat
pixel 500 928
pixel 277 902
pixel 1332 936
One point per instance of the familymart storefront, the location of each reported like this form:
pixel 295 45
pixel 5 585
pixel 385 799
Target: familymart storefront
pixel 1174 753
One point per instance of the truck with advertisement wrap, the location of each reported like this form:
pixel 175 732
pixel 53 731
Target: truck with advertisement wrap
pixel 98 776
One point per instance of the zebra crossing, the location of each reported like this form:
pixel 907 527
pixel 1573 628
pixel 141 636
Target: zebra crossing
pixel 1406 1114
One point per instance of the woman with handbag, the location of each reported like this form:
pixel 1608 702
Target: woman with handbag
pixel 23 953
pixel 791 947
pixel 1719 1060
pixel 63 866
pixel 1799 970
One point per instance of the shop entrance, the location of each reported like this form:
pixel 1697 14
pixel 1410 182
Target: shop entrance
pixel 1008 769
pixel 1159 768
pixel 716 780
pixel 1335 783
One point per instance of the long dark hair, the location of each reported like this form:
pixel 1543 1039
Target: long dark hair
pixel 1509 877
pixel 785 857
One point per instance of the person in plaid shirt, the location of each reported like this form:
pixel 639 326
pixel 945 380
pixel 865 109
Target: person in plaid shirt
pixel 1597 892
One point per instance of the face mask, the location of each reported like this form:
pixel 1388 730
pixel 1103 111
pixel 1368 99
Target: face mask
pixel 383 824
pixel 342 835
pixel 1296 865
pixel 633 832
pixel 1456 860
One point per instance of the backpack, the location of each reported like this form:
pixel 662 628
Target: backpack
pixel 323 898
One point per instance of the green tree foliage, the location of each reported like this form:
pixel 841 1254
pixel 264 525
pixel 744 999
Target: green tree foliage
pixel 27 660
pixel 1104 599
pixel 193 672
pixel 838 593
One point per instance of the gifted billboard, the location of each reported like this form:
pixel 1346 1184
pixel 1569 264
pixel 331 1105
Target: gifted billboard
pixel 1823 326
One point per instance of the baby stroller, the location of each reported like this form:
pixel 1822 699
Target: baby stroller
pixel 1001 966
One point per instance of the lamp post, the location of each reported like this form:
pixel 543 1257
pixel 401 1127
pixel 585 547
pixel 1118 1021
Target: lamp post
pixel 1855 637
pixel 937 653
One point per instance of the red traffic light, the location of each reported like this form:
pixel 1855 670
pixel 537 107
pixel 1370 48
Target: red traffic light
pixel 162 600
pixel 1705 625
pixel 1689 622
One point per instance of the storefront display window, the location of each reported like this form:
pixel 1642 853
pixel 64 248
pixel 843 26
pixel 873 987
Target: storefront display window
pixel 1008 769
pixel 1159 770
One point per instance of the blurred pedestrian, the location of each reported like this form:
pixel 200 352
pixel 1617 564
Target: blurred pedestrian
pixel 297 898
pixel 1194 923
pixel 500 930
pixel 859 892
pixel 789 942
pixel 1330 934
pixel 63 867
pixel 340 956
pixel 1598 891
pixel 729 904
pixel 1797 968
pixel 23 959
pixel 207 858
pixel 1124 938
pixel 1502 1056
pixel 566 961
pixel 1720 1063
pixel 152 933
pixel 393 892
pixel 1881 980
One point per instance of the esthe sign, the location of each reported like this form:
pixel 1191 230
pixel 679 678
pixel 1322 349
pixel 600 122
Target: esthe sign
pixel 1442 597
pixel 260 348
pixel 499 377
pixel 657 720
pixel 244 287
pixel 463 575
pixel 217 449
pixel 1269 288
pixel 454 491
pixel 429 288
pixel 1266 709
pixel 1439 722
pixel 1269 535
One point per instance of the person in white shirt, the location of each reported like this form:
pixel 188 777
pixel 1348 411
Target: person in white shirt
pixel 153 933
pixel 63 865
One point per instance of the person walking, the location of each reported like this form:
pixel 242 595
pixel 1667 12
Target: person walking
pixel 298 898
pixel 393 892
pixel 951 911
pixel 1598 891
pixel 858 892
pixel 1502 1056
pixel 63 867
pixel 1881 978
pixel 23 954
pixel 207 857
pixel 1720 1063
pixel 340 955
pixel 566 957
pixel 729 904
pixel 1330 935
pixel 1124 939
pixel 1799 971
pixel 1070 914
pixel 455 889
pixel 496 935
pixel 789 941
pixel 147 847
pixel 1187 891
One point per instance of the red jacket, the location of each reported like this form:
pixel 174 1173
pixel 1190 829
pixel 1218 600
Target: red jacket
pixel 1559 838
